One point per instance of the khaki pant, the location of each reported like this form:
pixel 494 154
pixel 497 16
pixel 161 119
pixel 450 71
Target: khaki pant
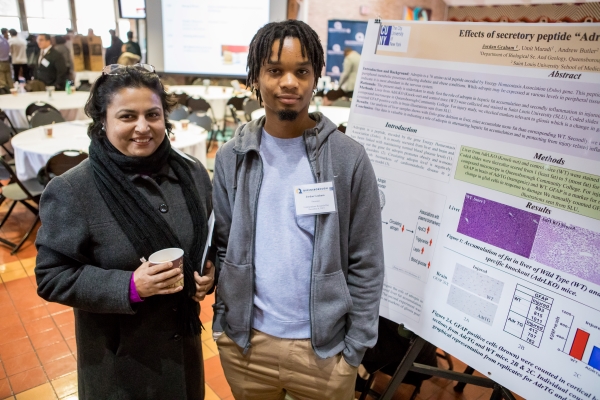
pixel 273 367
pixel 5 75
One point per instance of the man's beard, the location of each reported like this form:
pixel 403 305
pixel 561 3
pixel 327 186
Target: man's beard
pixel 287 115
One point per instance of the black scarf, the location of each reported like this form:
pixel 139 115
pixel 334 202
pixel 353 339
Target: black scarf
pixel 147 230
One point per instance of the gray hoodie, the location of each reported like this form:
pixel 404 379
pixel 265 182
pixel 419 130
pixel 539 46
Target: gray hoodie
pixel 347 266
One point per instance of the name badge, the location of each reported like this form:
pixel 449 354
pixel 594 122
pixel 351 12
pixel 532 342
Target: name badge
pixel 316 198
pixel 45 62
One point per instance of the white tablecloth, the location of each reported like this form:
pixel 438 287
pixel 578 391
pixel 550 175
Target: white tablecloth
pixel 33 148
pixel 70 105
pixel 216 96
pixel 90 76
pixel 337 115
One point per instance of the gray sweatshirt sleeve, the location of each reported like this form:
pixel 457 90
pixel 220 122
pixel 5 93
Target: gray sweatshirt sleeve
pixel 222 211
pixel 365 262
pixel 64 275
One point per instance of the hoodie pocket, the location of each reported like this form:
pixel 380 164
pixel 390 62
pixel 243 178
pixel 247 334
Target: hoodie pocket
pixel 235 290
pixel 332 302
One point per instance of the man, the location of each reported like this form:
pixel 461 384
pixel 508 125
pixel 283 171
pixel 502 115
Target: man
pixel 4 32
pixel 18 52
pixel 113 52
pixel 298 293
pixel 51 68
pixel 132 47
pixel 349 71
pixel 5 78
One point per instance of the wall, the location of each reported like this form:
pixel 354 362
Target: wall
pixel 320 11
pixel 583 12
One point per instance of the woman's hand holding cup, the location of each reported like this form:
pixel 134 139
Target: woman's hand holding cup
pixel 152 279
pixel 204 283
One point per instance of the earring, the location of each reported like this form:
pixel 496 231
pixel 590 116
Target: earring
pixel 103 128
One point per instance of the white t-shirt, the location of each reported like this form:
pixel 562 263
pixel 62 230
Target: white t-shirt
pixel 18 47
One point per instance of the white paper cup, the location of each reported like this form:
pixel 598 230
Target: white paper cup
pixel 185 123
pixel 173 255
pixel 48 130
pixel 14 91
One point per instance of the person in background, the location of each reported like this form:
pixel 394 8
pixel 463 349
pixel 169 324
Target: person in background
pixel 4 32
pixel 298 294
pixel 18 52
pixel 349 71
pixel 137 325
pixel 69 42
pixel 6 81
pixel 60 46
pixel 128 58
pixel 132 47
pixel 113 52
pixel 51 67
pixel 33 55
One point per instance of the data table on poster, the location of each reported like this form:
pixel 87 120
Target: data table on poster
pixel 528 315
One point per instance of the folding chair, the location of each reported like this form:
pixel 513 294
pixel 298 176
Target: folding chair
pixel 333 95
pixel 238 105
pixel 20 192
pixel 38 105
pixel 45 116
pixel 203 121
pixel 63 161
pixel 250 105
pixel 4 117
pixel 5 136
pixel 181 98
pixel 179 113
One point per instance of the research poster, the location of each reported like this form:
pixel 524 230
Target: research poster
pixel 485 139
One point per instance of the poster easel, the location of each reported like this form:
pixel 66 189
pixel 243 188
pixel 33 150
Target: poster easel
pixel 408 364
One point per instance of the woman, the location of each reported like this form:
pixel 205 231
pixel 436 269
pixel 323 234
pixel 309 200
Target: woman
pixel 136 337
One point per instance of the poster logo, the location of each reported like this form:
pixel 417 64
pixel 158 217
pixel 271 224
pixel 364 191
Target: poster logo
pixel 394 38
pixel 385 35
pixel 360 37
pixel 337 25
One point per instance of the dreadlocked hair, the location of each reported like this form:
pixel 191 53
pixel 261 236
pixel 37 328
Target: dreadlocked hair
pixel 262 42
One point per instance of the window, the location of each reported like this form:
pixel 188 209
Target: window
pixel 98 15
pixel 48 16
pixel 9 15
pixel 124 27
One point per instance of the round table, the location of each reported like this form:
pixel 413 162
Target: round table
pixel 216 96
pixel 33 148
pixel 337 115
pixel 69 105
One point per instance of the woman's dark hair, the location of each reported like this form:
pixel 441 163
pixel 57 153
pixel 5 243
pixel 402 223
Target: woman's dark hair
pixel 107 86
pixel 261 44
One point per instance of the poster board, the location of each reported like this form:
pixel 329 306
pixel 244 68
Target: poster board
pixel 92 46
pixel 78 57
pixel 485 139
pixel 340 35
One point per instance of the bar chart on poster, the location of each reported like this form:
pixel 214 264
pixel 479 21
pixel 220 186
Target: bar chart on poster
pixel 485 140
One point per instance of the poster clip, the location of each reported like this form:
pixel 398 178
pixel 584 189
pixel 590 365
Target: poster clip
pixel 378 19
